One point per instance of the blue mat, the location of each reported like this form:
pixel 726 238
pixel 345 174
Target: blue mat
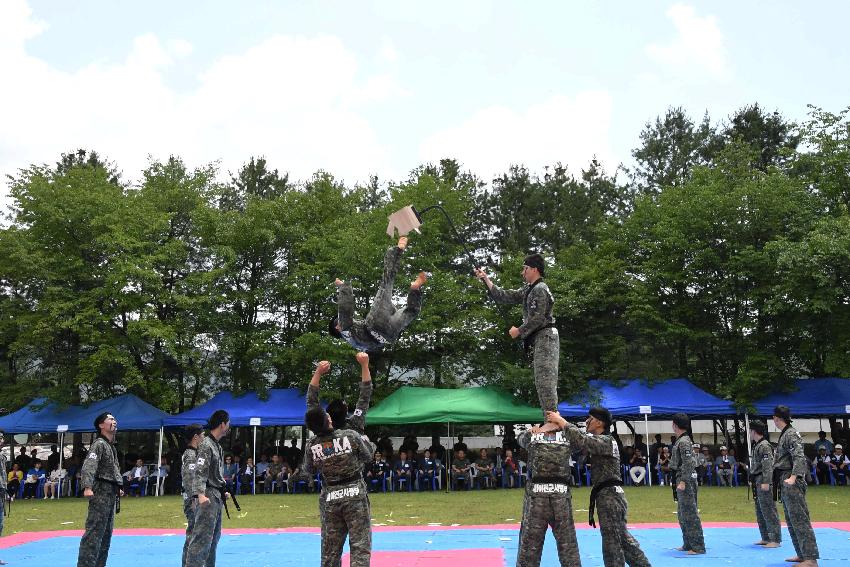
pixel 726 546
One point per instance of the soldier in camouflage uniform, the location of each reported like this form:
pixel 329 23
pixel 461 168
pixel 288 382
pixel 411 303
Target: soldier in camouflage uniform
pixel 538 327
pixel 193 435
pixel 547 501
pixel 683 465
pixel 208 488
pixel 3 487
pixel 618 545
pixel 101 480
pixel 790 474
pixel 761 480
pixel 339 455
pixel 384 323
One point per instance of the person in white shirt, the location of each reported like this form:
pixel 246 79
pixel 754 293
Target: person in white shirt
pixel 53 485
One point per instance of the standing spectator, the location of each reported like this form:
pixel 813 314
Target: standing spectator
pixel 22 460
pixel 231 469
pixel 461 468
pixel 664 466
pixel 637 467
pixel 52 460
pixel 639 444
pixel 655 451
pixel 13 480
pixel 410 446
pixel 839 464
pixel 484 466
pixel 723 466
pixel 138 477
pixel 437 450
pixel 34 476
pixel 460 445
pixel 53 485
pixel 427 470
pixel 823 442
pixel 403 471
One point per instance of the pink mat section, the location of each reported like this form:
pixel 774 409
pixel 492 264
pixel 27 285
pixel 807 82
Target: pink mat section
pixel 434 558
pixel 29 537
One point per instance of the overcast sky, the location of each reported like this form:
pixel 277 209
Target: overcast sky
pixel 360 88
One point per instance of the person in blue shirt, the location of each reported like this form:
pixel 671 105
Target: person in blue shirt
pixel 34 476
pixel 403 471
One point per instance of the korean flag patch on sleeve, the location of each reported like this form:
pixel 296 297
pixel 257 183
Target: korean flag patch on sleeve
pixel 93 456
pixel 201 461
pixel 358 412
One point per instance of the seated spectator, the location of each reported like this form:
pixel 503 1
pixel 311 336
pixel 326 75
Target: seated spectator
pixel 403 471
pixel 246 476
pixel 655 451
pixel 823 442
pixel 262 467
pixel 723 466
pixel 428 469
pixel 708 460
pixel 460 445
pixel 53 485
pixel 743 469
pixel 272 475
pixel 461 468
pixel 34 476
pixel 230 472
pixel 138 477
pixel 298 475
pixel 637 467
pixel 484 467
pixel 511 468
pixel 839 463
pixel 377 473
pixel 626 455
pixel 822 465
pixel 285 477
pixel 664 466
pixel 13 480
pixel 701 464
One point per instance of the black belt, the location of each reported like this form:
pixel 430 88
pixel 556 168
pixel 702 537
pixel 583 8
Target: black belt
pixel 594 494
pixel 117 487
pixel 528 341
pixel 348 480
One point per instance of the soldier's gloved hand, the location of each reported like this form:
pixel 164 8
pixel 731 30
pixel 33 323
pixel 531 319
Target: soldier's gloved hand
pixel 88 493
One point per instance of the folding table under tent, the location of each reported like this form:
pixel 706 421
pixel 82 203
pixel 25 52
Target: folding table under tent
pixel 282 407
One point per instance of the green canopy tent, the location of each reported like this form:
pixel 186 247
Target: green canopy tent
pixel 485 404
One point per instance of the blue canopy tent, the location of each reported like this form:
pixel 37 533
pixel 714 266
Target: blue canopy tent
pixel 283 407
pixel 9 423
pixel 813 397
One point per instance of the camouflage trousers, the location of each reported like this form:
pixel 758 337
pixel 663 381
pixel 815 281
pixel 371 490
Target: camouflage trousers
pixel 538 513
pixel 547 351
pixel 692 536
pixel 94 545
pixel 383 317
pixel 767 516
pixel 189 506
pixel 797 518
pixel 618 545
pixel 2 507
pixel 350 517
pixel 205 532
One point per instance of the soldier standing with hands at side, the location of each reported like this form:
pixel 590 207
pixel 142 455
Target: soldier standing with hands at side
pixel 618 545
pixel 193 435
pixel 101 480
pixel 761 479
pixel 790 474
pixel 683 463
pixel 208 488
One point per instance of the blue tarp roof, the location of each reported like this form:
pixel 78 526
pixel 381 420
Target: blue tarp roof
pixel 283 407
pixel 814 397
pixel 133 414
pixel 666 398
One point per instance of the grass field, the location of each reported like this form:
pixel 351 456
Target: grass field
pixel 646 505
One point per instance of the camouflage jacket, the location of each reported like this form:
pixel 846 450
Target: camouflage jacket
pixel 682 460
pixel 339 456
pixel 762 470
pixel 187 470
pixel 101 464
pixel 357 420
pixel 209 468
pixel 548 455
pixel 602 449
pixel 3 473
pixel 537 302
pixel 789 452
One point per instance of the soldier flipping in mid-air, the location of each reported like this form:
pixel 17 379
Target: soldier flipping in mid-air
pixel 339 456
pixel 618 545
pixel 547 501
pixel 790 474
pixel 683 468
pixel 101 480
pixel 538 327
pixel 384 323
pixel 193 434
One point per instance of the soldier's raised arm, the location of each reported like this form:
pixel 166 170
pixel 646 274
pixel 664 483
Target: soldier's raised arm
pixel 313 388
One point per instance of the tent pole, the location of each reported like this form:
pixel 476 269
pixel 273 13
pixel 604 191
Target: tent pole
pixel 749 442
pixel 449 456
pixel 254 468
pixel 648 458
pixel 159 480
pixel 61 454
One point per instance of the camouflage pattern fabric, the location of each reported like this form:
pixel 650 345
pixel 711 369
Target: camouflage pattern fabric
pixel 187 472
pixel 791 460
pixel 206 532
pixel 101 474
pixel 683 462
pixel 762 473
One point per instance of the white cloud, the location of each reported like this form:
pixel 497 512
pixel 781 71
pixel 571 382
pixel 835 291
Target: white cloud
pixel 560 129
pixel 697 48
pixel 388 52
pixel 297 100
